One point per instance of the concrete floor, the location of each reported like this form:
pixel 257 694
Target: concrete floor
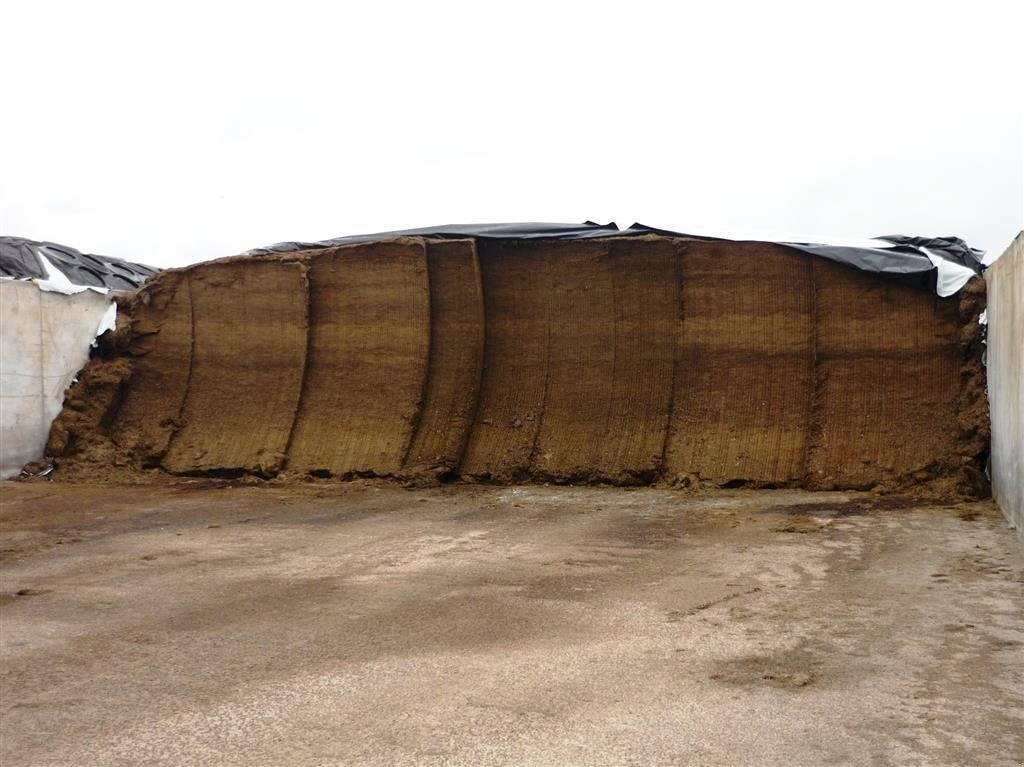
pixel 200 623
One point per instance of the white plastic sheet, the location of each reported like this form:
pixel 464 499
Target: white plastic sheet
pixel 57 282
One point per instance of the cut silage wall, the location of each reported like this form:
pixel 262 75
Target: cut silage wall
pixel 627 360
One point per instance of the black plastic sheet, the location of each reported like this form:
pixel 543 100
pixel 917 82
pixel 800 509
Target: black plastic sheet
pixel 20 259
pixel 911 260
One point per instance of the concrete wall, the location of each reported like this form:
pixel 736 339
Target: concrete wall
pixel 44 342
pixel 1006 380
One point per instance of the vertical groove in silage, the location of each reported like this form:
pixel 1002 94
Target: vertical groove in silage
pixel 515 279
pixel 370 325
pixel 456 356
pixel 249 345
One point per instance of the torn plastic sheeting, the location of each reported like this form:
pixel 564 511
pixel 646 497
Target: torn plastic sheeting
pixel 950 276
pixel 940 264
pixel 56 281
pixel 23 259
pixel 949 248
pixel 107 322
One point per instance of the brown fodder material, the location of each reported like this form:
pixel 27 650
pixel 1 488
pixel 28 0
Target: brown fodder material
pixel 368 349
pixel 580 359
pixel 625 360
pixel 515 277
pixel 744 378
pixel 456 357
pixel 160 345
pixel 647 318
pixel 81 428
pixel 249 328
pixel 82 438
pixel 967 472
pixel 613 311
pixel 887 381
pixel 577 381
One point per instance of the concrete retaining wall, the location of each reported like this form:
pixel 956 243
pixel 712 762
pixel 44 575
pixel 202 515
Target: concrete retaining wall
pixel 44 342
pixel 1006 380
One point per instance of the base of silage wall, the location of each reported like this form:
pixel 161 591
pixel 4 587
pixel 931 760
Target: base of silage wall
pixel 1005 362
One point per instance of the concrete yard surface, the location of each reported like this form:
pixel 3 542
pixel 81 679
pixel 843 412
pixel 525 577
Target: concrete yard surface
pixel 201 622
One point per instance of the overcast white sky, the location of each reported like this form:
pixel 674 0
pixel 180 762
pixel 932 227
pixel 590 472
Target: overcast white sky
pixel 173 132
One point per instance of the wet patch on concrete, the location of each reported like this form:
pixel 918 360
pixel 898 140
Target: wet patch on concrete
pixel 853 507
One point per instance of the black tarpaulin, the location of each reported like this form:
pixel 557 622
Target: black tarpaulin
pixel 941 264
pixel 22 259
